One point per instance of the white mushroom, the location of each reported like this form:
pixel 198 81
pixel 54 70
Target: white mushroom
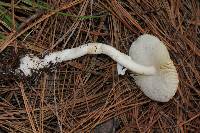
pixel 148 57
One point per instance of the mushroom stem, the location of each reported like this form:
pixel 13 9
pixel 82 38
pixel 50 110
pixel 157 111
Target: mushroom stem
pixel 29 63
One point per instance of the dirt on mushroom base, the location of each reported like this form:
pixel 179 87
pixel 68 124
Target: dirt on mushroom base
pixel 80 94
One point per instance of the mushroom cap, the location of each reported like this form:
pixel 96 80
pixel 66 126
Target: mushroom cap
pixel 148 50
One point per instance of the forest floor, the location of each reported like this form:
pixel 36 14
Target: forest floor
pixel 80 95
